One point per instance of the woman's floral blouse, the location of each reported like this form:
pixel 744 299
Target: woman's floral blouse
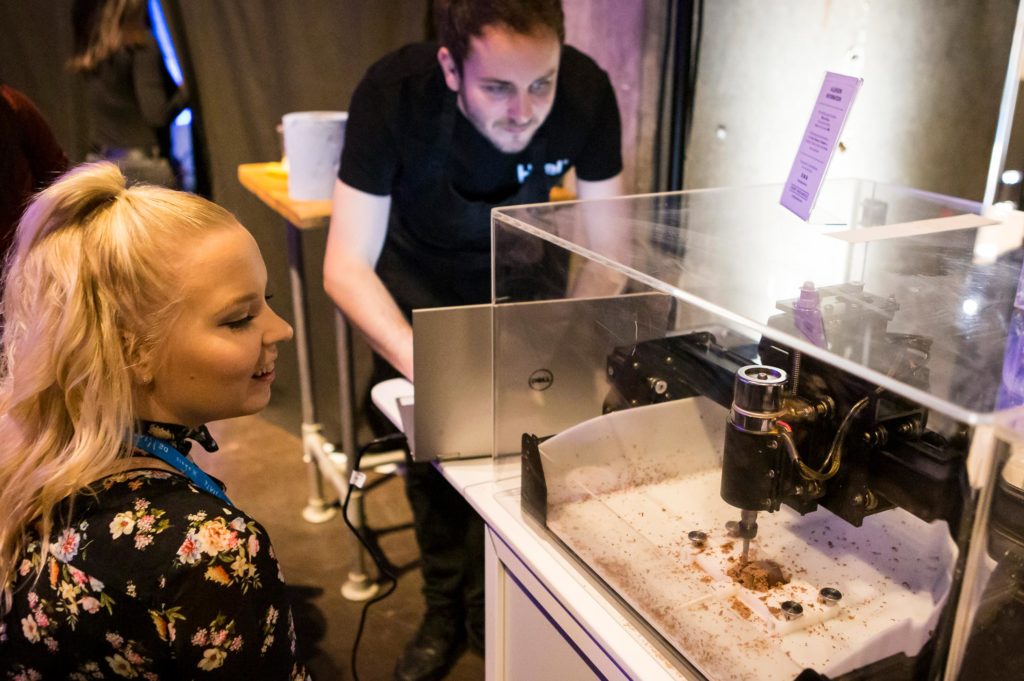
pixel 150 579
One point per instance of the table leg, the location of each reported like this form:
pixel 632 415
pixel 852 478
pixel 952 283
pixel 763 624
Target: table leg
pixel 317 509
pixel 358 586
pixel 320 455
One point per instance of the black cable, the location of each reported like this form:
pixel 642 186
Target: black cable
pixel 383 443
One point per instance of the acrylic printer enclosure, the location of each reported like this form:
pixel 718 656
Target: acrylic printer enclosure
pixel 791 449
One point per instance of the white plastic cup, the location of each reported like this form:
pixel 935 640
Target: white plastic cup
pixel 312 144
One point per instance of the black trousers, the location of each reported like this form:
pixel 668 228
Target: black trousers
pixel 449 533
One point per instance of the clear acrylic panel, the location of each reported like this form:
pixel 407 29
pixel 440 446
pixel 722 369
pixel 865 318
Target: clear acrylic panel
pixel 785 446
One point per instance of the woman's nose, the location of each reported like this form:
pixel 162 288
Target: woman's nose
pixel 279 330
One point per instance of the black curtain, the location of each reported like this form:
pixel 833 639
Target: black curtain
pixel 247 63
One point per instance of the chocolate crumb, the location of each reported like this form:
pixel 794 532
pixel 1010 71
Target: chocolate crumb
pixel 758 575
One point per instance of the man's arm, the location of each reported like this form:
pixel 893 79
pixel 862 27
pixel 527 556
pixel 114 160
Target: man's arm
pixel 602 189
pixel 604 233
pixel 359 223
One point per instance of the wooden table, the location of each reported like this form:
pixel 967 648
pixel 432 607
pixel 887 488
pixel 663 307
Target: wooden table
pixel 269 182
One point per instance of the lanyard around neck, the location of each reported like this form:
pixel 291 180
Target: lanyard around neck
pixel 173 457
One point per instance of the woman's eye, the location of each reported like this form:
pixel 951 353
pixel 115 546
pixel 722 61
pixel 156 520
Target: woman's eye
pixel 255 310
pixel 240 323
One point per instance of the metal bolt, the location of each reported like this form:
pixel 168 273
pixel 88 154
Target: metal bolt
pixel 611 370
pixel 908 428
pixel 636 365
pixel 697 538
pixel 771 473
pixel 633 403
pixel 773 444
pixel 830 596
pixel 669 360
pixel 857 500
pixel 825 406
pixel 791 610
pixel 798 491
pixel 659 386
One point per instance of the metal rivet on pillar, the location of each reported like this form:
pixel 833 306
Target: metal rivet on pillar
pixel 791 610
pixel 830 596
pixel 697 538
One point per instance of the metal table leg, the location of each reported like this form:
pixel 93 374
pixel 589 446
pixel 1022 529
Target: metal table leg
pixel 358 586
pixel 317 509
pixel 321 457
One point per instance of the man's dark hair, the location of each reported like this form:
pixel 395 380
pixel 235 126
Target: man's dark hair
pixel 459 20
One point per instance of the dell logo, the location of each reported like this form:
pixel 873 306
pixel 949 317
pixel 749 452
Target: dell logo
pixel 541 379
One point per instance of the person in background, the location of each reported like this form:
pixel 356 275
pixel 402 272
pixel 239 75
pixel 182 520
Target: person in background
pixel 30 158
pixel 130 96
pixel 437 135
pixel 132 317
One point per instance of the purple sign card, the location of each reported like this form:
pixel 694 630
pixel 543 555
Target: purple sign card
pixel 819 142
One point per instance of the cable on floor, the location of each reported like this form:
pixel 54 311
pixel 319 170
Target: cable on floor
pixel 384 443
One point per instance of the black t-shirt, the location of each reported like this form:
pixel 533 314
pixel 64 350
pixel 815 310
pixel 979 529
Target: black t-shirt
pixel 396 107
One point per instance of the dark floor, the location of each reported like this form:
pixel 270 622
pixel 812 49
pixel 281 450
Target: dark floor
pixel 262 466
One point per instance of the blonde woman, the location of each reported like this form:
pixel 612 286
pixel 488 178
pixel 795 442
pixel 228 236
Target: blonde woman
pixel 132 317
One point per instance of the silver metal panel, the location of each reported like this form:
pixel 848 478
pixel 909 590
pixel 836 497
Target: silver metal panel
pixel 544 382
pixel 553 356
pixel 452 368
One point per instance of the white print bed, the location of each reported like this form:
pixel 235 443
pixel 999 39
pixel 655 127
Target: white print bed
pixel 625 489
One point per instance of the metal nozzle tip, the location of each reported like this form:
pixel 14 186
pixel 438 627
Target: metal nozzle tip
pixel 748 530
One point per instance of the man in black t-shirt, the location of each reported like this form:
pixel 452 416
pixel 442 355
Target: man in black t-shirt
pixel 438 135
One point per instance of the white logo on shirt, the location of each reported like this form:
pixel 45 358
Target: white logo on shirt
pixel 555 169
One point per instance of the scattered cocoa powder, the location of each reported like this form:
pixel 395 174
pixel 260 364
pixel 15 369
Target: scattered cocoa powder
pixel 741 609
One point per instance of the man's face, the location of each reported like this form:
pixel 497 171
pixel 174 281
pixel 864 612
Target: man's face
pixel 507 84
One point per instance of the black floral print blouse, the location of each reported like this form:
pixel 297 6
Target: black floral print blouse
pixel 150 578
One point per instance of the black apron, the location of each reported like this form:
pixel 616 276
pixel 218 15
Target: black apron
pixel 438 247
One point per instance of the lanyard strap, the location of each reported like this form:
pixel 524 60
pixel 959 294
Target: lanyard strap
pixel 173 457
